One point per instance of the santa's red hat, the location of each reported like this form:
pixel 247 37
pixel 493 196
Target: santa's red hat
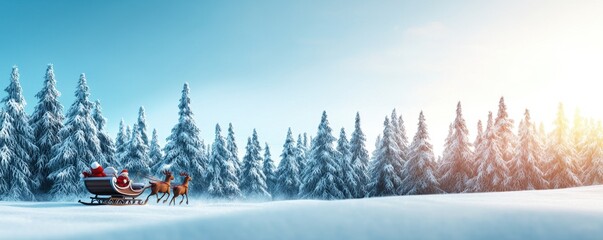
pixel 124 172
pixel 94 165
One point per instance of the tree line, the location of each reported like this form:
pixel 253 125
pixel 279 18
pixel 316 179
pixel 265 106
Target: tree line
pixel 43 154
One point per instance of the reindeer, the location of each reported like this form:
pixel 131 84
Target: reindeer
pixel 161 187
pixel 181 189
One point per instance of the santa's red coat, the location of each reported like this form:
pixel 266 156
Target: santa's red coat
pixel 97 172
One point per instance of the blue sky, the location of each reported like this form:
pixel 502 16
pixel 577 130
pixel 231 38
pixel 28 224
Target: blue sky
pixel 278 64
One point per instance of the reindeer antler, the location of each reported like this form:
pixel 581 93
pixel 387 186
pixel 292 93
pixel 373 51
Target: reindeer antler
pixel 166 172
pixel 184 174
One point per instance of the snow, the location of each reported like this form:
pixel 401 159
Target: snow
pixel 574 213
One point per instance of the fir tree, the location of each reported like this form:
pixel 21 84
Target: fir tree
pixel 348 175
pixel 46 122
pixel 560 172
pixel 524 167
pixel 183 151
pixel 121 142
pixel 419 170
pixel 320 175
pixel 503 126
pixel 457 164
pixel 492 170
pixel 287 174
pixel 155 153
pixel 253 180
pixel 400 135
pixel 231 145
pixel 79 145
pixel 20 182
pixel 107 157
pixel 359 159
pixel 301 154
pixel 221 175
pixel 269 171
pixel 593 158
pixel 7 154
pixel 387 165
pixel 137 157
pixel 142 126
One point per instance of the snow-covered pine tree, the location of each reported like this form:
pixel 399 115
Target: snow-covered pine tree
pixel 524 166
pixel 253 180
pixel 492 172
pixel 231 145
pixel 560 172
pixel 320 179
pixel 287 175
pixel 137 157
pixel 155 153
pixel 458 165
pixel 221 176
pixel 142 126
pixel 348 175
pixel 121 142
pixel 503 126
pixel 387 165
pixel 578 132
pixel 306 144
pixel 107 156
pixel 359 159
pixel 301 154
pixel 593 157
pixel 6 152
pixel 20 184
pixel 269 171
pixel 420 169
pixel 479 136
pixel 444 163
pixel 79 146
pixel 46 122
pixel 400 134
pixel 183 148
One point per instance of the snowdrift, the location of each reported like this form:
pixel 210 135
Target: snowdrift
pixel 575 213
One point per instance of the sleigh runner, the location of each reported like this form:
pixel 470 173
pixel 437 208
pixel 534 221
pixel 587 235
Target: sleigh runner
pixel 107 192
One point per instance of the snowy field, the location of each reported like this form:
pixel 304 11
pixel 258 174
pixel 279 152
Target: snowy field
pixel 575 213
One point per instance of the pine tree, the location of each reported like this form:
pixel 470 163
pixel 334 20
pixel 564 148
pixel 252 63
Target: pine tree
pixel 400 135
pixel 524 167
pixel 287 174
pixel 107 156
pixel 419 170
pixel 593 157
pixel 155 153
pixel 301 154
pixel 253 180
pixel 492 171
pixel 221 175
pixel 457 168
pixel 560 173
pixel 269 171
pixel 79 145
pixel 183 151
pixel 121 142
pixel 7 144
pixel 20 182
pixel 503 126
pixel 387 165
pixel 359 159
pixel 128 133
pixel 348 175
pixel 320 179
pixel 137 157
pixel 231 145
pixel 46 122
pixel 142 126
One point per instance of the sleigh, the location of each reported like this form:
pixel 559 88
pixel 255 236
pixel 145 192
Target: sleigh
pixel 106 192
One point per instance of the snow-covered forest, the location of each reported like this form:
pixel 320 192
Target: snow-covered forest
pixel 43 154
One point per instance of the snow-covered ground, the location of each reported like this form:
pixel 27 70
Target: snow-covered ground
pixel 575 213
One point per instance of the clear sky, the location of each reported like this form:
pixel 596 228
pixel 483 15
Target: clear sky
pixel 278 64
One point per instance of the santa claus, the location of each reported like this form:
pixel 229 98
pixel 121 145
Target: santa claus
pixel 123 180
pixel 96 170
